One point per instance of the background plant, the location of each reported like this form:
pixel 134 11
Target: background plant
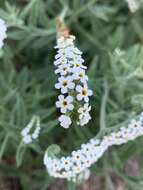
pixel 27 83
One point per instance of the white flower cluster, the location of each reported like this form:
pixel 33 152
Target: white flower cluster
pixel 3 29
pixel 88 154
pixel 31 131
pixel 72 83
pixel 133 5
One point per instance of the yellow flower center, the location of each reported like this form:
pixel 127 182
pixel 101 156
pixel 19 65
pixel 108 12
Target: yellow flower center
pixel 65 68
pixel 65 103
pixel 65 83
pixel 80 75
pixel 77 64
pixel 77 157
pixel 84 92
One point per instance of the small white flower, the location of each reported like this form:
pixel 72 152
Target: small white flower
pixel 77 66
pixel 66 163
pixel 87 149
pixel 65 104
pixel 80 75
pixel 67 52
pixel 63 69
pixel 78 59
pixel 85 109
pixel 84 119
pixel 83 93
pixel 77 156
pixel 27 139
pixel 95 142
pixel 60 61
pixel 25 131
pixel 3 29
pixel 47 160
pixel 108 141
pixel 65 121
pixel 134 124
pixel 65 42
pixel 87 161
pixel 36 133
pixel 58 56
pixel 77 51
pixel 64 84
pixel 56 164
pixel 126 134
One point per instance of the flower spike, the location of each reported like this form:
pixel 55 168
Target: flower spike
pixel 80 160
pixel 72 81
pixel 31 131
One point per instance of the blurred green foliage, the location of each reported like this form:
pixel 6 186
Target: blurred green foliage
pixel 27 82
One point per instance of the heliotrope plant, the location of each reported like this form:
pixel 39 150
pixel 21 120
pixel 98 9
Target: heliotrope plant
pixel 73 101
pixel 74 91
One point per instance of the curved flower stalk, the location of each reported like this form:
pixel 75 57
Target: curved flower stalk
pixel 3 29
pixel 31 131
pixel 68 167
pixel 73 101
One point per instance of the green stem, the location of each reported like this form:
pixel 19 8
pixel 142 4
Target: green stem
pixel 71 185
pixel 103 107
